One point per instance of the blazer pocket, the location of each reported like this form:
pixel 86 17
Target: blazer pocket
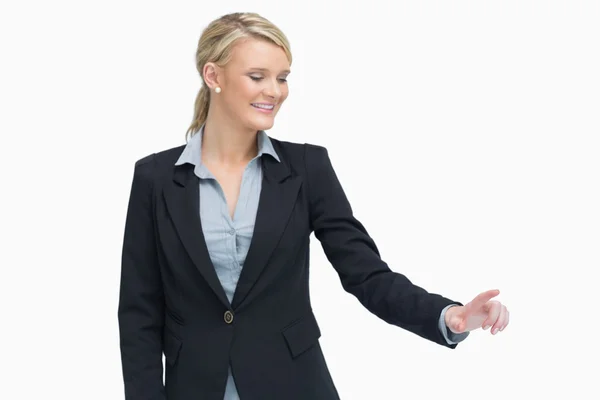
pixel 302 335
pixel 171 348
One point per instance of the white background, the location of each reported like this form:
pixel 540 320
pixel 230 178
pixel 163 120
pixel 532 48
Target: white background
pixel 465 134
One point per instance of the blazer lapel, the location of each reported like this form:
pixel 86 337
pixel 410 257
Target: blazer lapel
pixel 182 199
pixel 277 198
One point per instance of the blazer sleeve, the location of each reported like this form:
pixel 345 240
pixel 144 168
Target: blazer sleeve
pixel 352 252
pixel 141 300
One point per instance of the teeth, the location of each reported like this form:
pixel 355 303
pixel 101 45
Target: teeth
pixel 266 107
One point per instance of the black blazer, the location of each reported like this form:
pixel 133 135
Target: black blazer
pixel 171 300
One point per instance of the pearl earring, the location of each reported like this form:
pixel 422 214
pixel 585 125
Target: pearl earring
pixel 217 90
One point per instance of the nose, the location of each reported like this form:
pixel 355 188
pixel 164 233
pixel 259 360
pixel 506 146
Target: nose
pixel 273 90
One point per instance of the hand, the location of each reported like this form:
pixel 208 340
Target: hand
pixel 481 312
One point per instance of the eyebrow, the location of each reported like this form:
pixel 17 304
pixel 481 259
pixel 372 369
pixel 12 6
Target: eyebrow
pixel 266 70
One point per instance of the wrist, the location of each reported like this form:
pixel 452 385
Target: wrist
pixel 450 316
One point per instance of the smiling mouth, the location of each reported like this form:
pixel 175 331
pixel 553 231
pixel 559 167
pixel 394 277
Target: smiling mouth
pixel 266 107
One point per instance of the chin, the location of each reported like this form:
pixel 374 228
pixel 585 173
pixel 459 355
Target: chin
pixel 261 125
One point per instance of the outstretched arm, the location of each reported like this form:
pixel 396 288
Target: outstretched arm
pixel 389 295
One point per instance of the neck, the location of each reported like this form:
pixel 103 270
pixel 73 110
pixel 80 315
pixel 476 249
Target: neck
pixel 225 143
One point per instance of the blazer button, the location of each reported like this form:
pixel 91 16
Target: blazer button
pixel 228 317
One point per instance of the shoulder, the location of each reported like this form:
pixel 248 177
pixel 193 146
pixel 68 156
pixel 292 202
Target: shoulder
pixel 157 163
pixel 299 153
pixel 161 158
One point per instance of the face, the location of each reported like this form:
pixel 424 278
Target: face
pixel 253 84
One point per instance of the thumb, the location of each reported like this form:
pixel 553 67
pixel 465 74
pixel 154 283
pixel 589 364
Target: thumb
pixel 455 319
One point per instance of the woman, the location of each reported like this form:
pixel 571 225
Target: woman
pixel 216 249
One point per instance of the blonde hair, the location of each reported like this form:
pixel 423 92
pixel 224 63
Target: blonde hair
pixel 216 44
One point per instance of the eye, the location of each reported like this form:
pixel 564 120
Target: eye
pixel 282 80
pixel 256 78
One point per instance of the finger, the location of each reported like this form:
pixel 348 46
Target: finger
pixel 493 314
pixel 500 321
pixel 483 298
pixel 507 320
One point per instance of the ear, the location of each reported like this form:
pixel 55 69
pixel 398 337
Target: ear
pixel 211 73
